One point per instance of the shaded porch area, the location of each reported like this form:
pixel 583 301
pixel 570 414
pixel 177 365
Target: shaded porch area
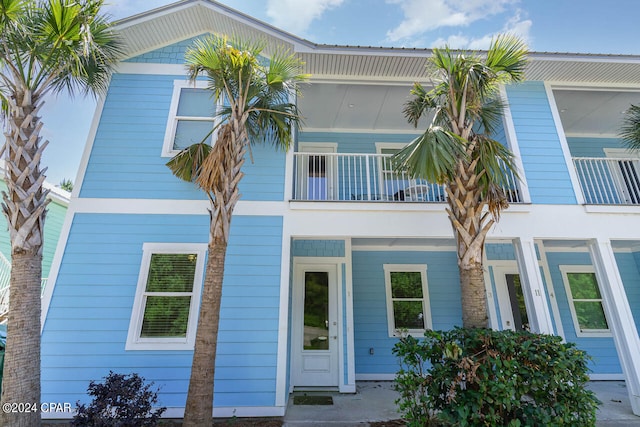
pixel 374 402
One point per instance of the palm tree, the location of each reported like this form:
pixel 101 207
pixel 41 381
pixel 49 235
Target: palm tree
pixel 630 130
pixel 258 107
pixel 46 47
pixel 457 150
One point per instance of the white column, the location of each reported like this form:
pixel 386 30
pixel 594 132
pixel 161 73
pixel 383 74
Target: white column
pixel 532 286
pixel 619 316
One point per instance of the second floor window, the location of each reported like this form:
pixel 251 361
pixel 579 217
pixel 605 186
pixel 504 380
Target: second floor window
pixel 191 117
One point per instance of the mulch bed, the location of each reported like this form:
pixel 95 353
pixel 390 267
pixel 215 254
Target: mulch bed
pixel 390 423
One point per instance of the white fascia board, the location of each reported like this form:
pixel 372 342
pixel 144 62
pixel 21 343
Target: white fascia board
pixel 88 146
pixel 170 207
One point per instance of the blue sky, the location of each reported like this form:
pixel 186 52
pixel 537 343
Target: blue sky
pixel 578 26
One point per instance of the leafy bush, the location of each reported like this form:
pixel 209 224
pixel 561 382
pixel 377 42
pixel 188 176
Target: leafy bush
pixel 123 400
pixel 480 377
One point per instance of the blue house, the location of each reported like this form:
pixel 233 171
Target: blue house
pixel 324 232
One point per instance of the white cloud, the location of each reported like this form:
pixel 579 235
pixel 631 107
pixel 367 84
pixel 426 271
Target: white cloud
pixel 296 16
pixel 425 15
pixel 124 8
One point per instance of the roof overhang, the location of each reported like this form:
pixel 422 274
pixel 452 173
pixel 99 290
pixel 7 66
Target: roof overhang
pixel 188 18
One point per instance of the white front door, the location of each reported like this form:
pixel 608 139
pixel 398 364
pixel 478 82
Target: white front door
pixel 315 341
pixel 513 310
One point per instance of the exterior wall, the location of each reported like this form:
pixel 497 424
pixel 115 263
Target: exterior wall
pixel 601 349
pixel 540 147
pixel 318 248
pixel 172 54
pixel 125 159
pixel 629 267
pixel 369 302
pixel 95 288
pixel 591 147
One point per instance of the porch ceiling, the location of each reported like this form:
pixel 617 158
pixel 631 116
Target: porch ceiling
pixel 590 112
pixel 329 106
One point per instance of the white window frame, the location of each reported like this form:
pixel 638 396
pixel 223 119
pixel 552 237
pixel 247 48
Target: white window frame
pixel 426 304
pixel 134 341
pixel 172 121
pixel 567 269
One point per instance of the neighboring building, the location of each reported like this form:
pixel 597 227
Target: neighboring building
pixel 56 210
pixel 324 233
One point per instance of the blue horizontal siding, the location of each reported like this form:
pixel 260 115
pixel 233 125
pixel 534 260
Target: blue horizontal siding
pixel 370 309
pixel 172 54
pixel 86 329
pixel 601 349
pixel 125 157
pixel 629 267
pixel 542 156
pixel 318 248
pixel 591 147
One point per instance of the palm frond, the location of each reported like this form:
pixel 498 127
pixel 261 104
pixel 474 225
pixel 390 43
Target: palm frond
pixel 432 156
pixel 630 129
pixel 496 160
pixel 187 164
pixel 507 56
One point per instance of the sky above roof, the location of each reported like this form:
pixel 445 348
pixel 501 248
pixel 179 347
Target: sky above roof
pixel 577 26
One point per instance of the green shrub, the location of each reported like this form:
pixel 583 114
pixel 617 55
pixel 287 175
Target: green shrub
pixel 480 377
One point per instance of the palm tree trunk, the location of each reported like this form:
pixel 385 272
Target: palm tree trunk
pixel 21 378
pixel 199 406
pixel 474 299
pixel 24 207
pixel 470 223
pixel 221 175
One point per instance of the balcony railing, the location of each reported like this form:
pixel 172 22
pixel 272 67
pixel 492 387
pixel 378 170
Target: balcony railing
pixel 366 177
pixel 5 276
pixel 609 181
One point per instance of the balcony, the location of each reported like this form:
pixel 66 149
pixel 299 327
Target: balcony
pixel 356 177
pixel 609 181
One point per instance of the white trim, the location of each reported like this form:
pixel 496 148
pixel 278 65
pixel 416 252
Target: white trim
pixel 88 147
pixel 363 130
pixel 171 207
pixel 351 361
pixel 178 412
pixel 546 272
pixel 491 298
pixel 619 315
pixel 55 267
pixel 567 269
pixel 621 153
pixel 426 303
pixel 606 377
pixel 173 118
pixel 282 365
pixel 375 377
pixel 134 342
pixel 564 145
pixel 512 141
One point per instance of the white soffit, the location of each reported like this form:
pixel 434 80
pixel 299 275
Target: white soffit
pixel 188 18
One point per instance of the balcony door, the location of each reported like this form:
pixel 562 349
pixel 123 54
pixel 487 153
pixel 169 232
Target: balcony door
pixel 317 173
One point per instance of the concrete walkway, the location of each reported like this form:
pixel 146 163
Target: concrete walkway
pixel 374 401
